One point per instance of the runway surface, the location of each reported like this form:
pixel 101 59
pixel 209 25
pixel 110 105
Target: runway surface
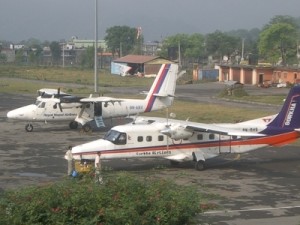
pixel 260 188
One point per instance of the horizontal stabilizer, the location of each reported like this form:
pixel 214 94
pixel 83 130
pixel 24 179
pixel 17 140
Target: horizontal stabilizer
pixel 163 95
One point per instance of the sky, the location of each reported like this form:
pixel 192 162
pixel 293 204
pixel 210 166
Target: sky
pixel 56 20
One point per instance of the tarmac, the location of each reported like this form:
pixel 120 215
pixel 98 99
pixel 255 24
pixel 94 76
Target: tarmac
pixel 260 188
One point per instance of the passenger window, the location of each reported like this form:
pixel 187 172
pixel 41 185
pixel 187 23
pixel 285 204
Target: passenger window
pixel 200 136
pixel 211 136
pixel 140 138
pixel 149 138
pixel 160 138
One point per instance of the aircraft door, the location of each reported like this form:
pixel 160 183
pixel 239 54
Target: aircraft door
pixel 224 143
pixel 98 109
pixel 40 110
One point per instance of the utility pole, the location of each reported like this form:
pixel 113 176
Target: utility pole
pixel 63 48
pixel 243 45
pixel 179 55
pixel 96 47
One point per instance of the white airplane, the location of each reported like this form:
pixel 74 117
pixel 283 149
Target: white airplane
pixel 52 105
pixel 181 141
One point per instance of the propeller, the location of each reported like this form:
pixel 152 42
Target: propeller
pixel 59 100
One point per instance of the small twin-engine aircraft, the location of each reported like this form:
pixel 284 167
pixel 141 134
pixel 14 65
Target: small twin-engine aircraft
pixel 52 105
pixel 181 141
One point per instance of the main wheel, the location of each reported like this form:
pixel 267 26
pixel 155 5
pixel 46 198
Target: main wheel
pixel 86 128
pixel 200 165
pixel 73 125
pixel 29 128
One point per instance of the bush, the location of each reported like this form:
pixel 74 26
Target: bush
pixel 122 199
pixel 235 92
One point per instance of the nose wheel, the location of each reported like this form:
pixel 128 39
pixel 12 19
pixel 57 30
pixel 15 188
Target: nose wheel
pixel 200 165
pixel 73 125
pixel 86 128
pixel 29 127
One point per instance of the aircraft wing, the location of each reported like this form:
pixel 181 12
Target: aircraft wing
pixel 101 99
pixel 210 128
pixel 180 125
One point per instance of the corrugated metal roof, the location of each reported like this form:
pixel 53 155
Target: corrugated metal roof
pixel 136 59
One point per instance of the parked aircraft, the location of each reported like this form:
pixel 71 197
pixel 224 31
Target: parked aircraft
pixel 181 141
pixel 52 105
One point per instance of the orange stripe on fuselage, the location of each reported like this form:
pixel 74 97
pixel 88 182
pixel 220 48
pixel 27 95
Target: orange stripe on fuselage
pixel 274 140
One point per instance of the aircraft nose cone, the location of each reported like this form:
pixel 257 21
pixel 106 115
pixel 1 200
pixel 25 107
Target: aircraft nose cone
pixel 22 113
pixel 11 114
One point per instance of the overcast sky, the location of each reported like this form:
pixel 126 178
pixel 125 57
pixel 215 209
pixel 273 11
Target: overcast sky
pixel 54 20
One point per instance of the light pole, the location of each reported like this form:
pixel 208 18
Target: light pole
pixel 63 48
pixel 96 46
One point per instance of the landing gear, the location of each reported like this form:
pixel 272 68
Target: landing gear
pixel 73 125
pixel 86 128
pixel 29 127
pixel 200 165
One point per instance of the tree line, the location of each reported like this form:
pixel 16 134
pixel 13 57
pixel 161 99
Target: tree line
pixel 276 43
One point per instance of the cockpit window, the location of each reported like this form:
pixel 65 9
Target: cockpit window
pixel 40 104
pixel 37 102
pixel 116 137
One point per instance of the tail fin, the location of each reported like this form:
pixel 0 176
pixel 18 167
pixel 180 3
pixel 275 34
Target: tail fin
pixel 162 91
pixel 289 116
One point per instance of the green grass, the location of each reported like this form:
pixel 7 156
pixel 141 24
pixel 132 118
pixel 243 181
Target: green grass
pixel 268 99
pixel 72 75
pixel 209 113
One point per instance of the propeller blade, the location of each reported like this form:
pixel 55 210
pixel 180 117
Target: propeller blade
pixel 59 105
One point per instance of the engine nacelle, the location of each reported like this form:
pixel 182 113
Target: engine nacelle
pixel 177 132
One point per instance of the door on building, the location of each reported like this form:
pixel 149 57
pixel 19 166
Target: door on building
pixel 261 78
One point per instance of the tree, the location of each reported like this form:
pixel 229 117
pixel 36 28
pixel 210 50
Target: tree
pixel 87 58
pixel 35 53
pixel 219 44
pixel 171 44
pixel 55 51
pixel 3 58
pixel 191 48
pixel 19 56
pixel 278 42
pixel 282 19
pixel 195 50
pixel 250 39
pixel 121 40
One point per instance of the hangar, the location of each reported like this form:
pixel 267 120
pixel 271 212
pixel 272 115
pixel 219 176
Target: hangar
pixel 141 65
